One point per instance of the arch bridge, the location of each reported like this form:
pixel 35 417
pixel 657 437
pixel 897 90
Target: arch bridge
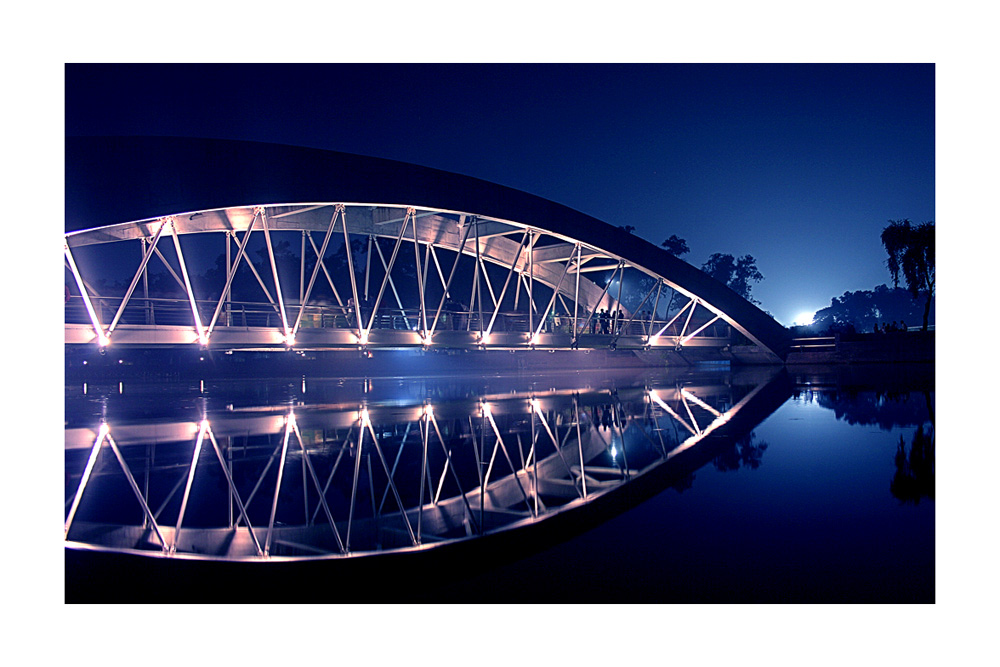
pixel 499 269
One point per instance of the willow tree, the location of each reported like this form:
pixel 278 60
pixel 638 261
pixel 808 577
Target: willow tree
pixel 911 253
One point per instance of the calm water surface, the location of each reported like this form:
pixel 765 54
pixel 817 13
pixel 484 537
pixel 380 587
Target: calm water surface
pixel 701 486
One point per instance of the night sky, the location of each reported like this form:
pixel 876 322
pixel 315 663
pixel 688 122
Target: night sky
pixel 800 166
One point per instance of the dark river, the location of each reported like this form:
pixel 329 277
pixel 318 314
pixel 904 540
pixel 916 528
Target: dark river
pixel 702 485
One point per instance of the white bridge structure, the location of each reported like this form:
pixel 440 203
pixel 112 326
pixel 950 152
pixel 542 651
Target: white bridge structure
pixel 366 253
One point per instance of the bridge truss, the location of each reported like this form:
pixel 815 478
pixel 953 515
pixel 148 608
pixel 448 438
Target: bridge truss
pixel 371 275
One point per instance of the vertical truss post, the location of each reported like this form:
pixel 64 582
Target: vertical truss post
pixel 145 287
pixel 420 283
pixel 302 266
pixel 618 303
pixel 576 293
pixel 579 442
pixel 531 280
pixel 477 287
pixel 102 338
pixel 534 461
pixel 229 302
pixel 350 268
pixel 368 263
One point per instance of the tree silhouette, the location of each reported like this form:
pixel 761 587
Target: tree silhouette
pixel 737 274
pixel 914 478
pixel 864 308
pixel 911 252
pixel 745 453
pixel 676 246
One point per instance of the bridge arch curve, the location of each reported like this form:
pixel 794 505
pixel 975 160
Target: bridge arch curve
pixel 541 273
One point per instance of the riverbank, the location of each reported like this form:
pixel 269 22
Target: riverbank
pixel 898 347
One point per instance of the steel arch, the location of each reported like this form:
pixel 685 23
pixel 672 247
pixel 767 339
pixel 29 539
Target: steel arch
pixel 549 253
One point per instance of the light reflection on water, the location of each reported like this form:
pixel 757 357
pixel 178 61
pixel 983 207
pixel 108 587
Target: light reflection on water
pixel 823 490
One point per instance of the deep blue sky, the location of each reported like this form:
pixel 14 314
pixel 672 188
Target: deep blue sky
pixel 798 165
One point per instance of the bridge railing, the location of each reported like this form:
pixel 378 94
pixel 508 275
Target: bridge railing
pixel 155 311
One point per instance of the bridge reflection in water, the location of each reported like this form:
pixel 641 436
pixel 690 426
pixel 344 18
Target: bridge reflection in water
pixel 335 480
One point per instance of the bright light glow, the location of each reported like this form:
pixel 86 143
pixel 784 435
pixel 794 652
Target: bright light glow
pixel 536 405
pixel 428 410
pixel 365 420
pixel 203 339
pixel 103 431
pixel 289 339
pixel 653 395
pixel 103 340
pixel 203 424
pixel 804 318
pixel 426 339
pixel 363 338
pixel 484 338
pixel 534 339
pixel 486 409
